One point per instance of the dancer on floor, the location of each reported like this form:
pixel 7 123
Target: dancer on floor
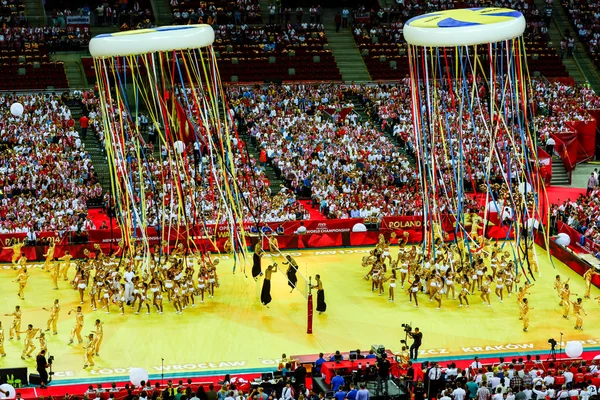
pixel 392 278
pixel 258 252
pixel 52 321
pixel 30 333
pixel 525 314
pixel 66 259
pixel 2 352
pixel 98 336
pixel 321 305
pixel 291 272
pixel 48 263
pixel 88 355
pixel 22 281
pixel 16 248
pixel 413 290
pixel 15 327
pixel 76 331
pixel 265 294
pixel 464 292
pixel 577 310
pixel 588 277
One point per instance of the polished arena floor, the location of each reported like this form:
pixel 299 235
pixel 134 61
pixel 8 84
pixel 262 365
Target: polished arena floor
pixel 234 331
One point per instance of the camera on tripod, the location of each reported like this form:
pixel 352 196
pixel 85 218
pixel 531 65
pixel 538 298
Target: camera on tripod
pixel 407 329
pixel 552 343
pixel 50 361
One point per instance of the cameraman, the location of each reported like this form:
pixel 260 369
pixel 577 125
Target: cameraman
pixel 417 338
pixel 42 364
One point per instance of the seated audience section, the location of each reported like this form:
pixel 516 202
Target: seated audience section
pixel 382 46
pixel 216 12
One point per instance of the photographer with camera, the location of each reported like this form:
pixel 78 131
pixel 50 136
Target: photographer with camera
pixel 42 364
pixel 417 338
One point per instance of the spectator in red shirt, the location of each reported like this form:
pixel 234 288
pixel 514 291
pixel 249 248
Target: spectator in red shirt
pixel 84 122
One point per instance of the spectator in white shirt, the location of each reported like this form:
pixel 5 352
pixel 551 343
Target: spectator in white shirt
pixel 459 393
pixel 476 364
pixel 568 378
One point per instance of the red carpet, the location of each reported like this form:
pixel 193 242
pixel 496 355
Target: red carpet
pixel 314 212
pixel 558 195
pixel 98 216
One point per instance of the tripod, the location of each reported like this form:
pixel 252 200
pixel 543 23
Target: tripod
pixel 552 355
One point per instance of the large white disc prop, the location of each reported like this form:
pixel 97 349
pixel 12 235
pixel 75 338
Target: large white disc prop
pixel 179 146
pixel 464 27
pixel 8 392
pixel 17 109
pixel 525 186
pixel 494 206
pixel 563 239
pixel 597 357
pixel 137 375
pixel 142 41
pixel 359 228
pixel 574 349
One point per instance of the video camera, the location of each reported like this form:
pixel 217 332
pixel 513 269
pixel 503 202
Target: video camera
pixel 407 330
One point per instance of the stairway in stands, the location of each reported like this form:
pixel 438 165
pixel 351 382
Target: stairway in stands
pixel 95 150
pixel 579 67
pixel 34 10
pixel 388 133
pixel 560 177
pixel 344 49
pixel 162 12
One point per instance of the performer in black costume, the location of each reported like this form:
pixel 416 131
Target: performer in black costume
pixel 265 294
pixel 321 305
pixel 291 271
pixel 258 252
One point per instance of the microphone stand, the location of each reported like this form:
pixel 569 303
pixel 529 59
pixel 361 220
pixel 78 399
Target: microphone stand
pixel 162 371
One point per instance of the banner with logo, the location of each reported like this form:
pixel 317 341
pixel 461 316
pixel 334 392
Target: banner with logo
pixel 78 20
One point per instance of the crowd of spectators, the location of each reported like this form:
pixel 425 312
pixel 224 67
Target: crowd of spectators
pixel 259 201
pixel 586 20
pixel 347 166
pixel 274 37
pixel 559 103
pixel 46 176
pixel 50 38
pixel 583 213
pixel 12 13
pixel 219 12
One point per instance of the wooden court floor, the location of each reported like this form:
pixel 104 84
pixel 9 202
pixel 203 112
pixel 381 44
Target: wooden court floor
pixel 234 331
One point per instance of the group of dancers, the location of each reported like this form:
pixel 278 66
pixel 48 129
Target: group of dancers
pixel 115 282
pixel 563 291
pixel 450 271
pixel 291 275
pixel 93 339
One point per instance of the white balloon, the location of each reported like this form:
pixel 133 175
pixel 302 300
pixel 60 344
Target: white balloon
pixel 16 109
pixel 597 357
pixel 494 206
pixel 137 375
pixel 10 391
pixel 179 146
pixel 524 185
pixel 563 239
pixel 574 349
pixel 359 228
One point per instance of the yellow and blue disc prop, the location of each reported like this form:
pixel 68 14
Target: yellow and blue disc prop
pixel 464 27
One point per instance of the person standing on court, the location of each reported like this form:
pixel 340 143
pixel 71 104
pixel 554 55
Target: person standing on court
pixel 41 365
pixel 417 337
